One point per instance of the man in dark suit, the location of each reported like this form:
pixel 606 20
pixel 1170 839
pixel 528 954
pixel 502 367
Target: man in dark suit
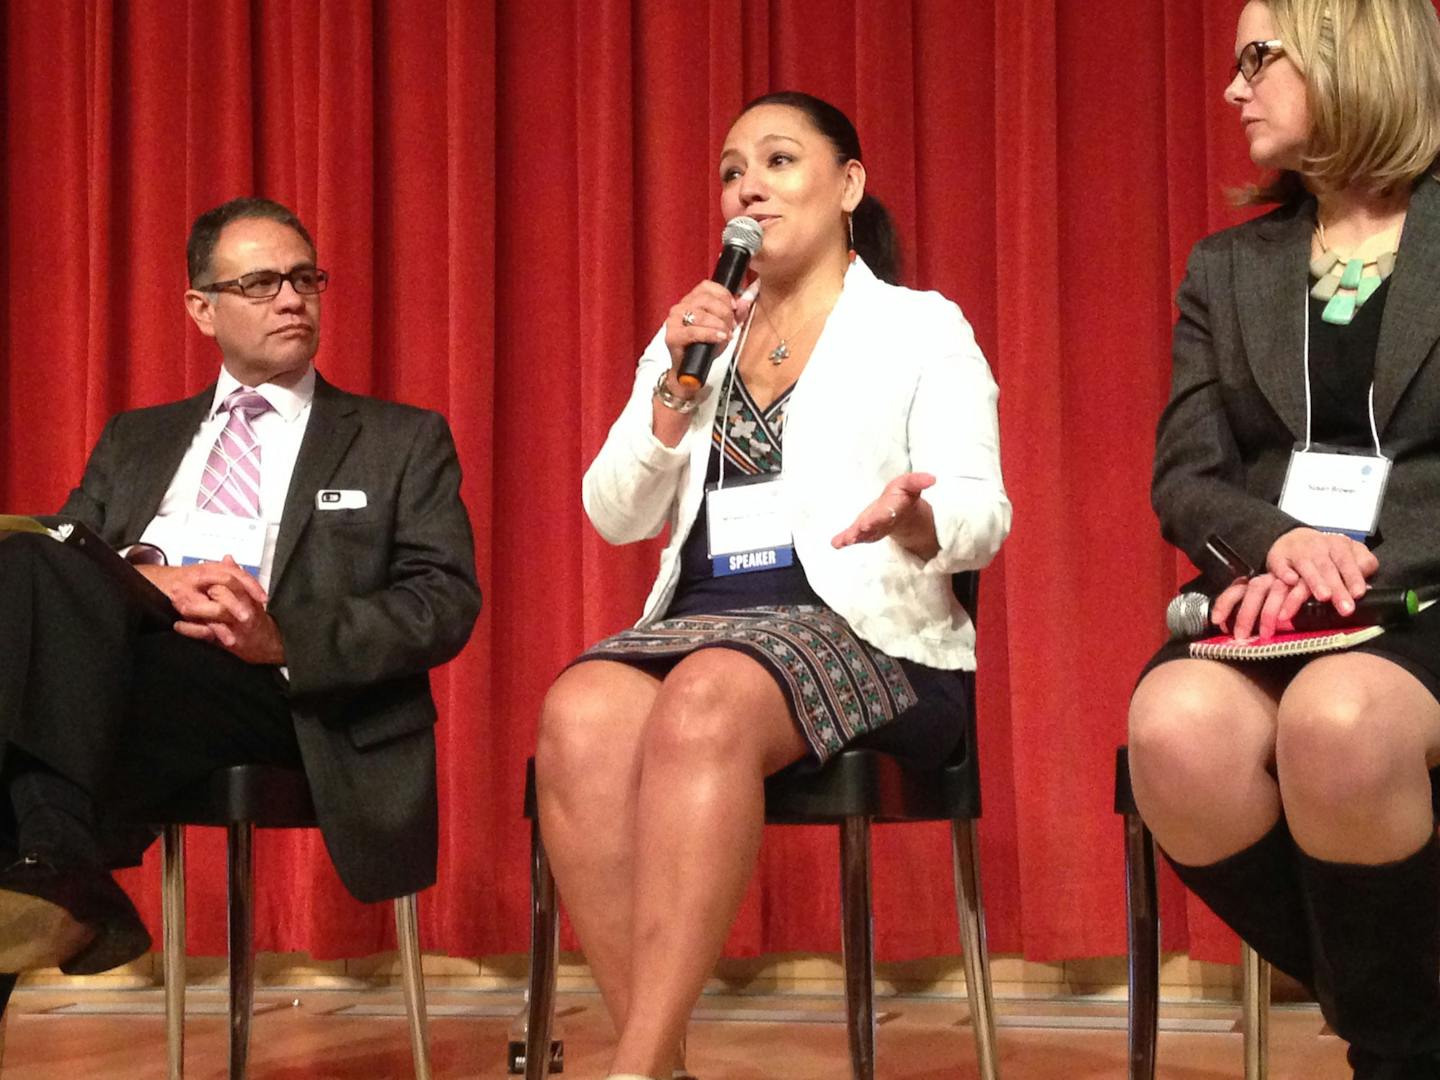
pixel 315 548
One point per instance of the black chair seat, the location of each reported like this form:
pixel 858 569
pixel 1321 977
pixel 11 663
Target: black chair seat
pixel 872 784
pixel 267 796
pixel 854 783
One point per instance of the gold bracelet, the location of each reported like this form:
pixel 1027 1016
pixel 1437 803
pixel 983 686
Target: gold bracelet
pixel 683 405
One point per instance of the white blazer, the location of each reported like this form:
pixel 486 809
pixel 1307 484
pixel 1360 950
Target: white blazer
pixel 895 384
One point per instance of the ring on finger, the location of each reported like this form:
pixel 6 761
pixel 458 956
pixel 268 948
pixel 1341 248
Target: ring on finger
pixel 688 319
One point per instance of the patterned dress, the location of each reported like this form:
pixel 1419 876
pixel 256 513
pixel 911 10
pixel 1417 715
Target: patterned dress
pixel 839 687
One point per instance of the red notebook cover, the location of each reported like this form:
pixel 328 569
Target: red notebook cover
pixel 1291 643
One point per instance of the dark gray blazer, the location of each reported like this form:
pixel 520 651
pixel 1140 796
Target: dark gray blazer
pixel 367 602
pixel 1237 399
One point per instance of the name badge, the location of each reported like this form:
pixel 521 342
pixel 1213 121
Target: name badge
pixel 1338 491
pixel 210 537
pixel 748 527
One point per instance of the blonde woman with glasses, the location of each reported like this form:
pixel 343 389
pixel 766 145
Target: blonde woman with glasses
pixel 1302 444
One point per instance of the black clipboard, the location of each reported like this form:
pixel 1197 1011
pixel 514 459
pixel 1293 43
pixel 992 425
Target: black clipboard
pixel 155 607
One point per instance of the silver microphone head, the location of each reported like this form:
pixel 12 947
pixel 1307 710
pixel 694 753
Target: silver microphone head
pixel 743 232
pixel 1188 616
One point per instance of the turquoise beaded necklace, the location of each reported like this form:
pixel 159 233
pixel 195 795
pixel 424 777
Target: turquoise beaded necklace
pixel 1343 282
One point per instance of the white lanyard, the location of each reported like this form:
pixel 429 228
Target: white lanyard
pixel 1331 488
pixel 748 526
pixel 730 377
pixel 1374 432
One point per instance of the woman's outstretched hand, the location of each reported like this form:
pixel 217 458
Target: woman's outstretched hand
pixel 899 512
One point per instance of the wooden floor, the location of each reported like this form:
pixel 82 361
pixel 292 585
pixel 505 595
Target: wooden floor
pixel 327 1035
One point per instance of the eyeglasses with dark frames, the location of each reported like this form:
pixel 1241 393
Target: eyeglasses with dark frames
pixel 1253 56
pixel 266 284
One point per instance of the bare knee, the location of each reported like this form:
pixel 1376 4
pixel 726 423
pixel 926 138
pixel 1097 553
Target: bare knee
pixel 1189 736
pixel 1335 749
pixel 1167 721
pixel 589 727
pixel 706 713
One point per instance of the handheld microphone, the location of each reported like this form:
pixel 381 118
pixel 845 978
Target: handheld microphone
pixel 740 240
pixel 1188 615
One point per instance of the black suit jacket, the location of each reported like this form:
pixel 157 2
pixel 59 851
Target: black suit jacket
pixel 1237 402
pixel 367 601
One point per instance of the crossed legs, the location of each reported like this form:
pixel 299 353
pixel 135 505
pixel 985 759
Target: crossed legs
pixel 651 799
pixel 96 716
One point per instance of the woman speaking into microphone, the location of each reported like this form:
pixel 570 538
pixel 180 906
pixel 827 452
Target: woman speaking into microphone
pixel 1303 438
pixel 838 465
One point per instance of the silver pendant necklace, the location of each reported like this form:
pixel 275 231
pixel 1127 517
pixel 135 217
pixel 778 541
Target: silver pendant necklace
pixel 781 352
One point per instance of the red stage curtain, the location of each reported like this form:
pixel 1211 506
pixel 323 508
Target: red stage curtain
pixel 509 197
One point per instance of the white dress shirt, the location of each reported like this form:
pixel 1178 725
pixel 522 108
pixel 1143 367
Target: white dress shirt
pixel 895 384
pixel 279 431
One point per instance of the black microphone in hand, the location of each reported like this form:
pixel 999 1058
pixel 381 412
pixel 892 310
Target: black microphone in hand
pixel 740 240
pixel 1188 615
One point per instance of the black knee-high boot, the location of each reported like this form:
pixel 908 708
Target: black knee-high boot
pixel 1256 892
pixel 1375 933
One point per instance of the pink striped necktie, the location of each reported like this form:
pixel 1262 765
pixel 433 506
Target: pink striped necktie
pixel 231 484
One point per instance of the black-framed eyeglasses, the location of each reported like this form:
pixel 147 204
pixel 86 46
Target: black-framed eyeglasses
pixel 1253 56
pixel 266 284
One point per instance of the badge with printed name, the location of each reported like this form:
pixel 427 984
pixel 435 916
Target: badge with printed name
pixel 210 537
pixel 1335 489
pixel 749 528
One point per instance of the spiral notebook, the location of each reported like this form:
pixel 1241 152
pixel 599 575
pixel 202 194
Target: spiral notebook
pixel 1291 643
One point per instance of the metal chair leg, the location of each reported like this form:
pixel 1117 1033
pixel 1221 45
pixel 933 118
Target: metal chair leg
pixel 858 945
pixel 172 904
pixel 544 959
pixel 971 909
pixel 407 933
pixel 1255 1012
pixel 240 850
pixel 1143 927
pixel 7 986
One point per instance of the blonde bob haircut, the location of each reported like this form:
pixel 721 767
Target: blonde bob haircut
pixel 1372 76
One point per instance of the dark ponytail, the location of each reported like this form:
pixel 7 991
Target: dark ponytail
pixel 875 240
